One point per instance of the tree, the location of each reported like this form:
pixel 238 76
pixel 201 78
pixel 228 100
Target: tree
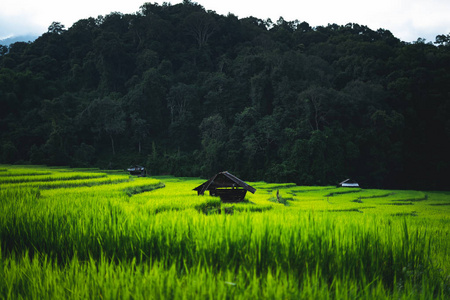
pixel 180 99
pixel 201 26
pixel 3 50
pixel 213 133
pixel 315 106
pixel 107 117
pixel 140 129
pixel 272 101
pixel 442 40
pixel 56 27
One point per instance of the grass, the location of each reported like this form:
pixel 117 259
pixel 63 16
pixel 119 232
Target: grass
pixel 139 238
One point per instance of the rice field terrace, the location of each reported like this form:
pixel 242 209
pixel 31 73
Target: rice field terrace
pixel 92 234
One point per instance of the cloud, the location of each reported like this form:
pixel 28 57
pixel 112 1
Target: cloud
pixel 407 20
pixel 16 21
pixel 10 28
pixel 19 17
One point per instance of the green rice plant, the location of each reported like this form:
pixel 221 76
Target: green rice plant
pixel 272 186
pixel 68 183
pixel 14 170
pixel 305 189
pixel 54 176
pixel 246 207
pixel 102 241
pixel 176 196
pixel 341 191
pixel 137 189
pixel 11 173
pixel 119 183
pixel 40 278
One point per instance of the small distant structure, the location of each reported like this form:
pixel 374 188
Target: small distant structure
pixel 348 183
pixel 137 171
pixel 226 186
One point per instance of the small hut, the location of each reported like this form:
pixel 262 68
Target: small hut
pixel 226 186
pixel 348 183
pixel 137 171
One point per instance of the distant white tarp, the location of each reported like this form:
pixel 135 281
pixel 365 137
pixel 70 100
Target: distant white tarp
pixel 348 183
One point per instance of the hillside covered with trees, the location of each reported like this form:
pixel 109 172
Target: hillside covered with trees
pixel 189 92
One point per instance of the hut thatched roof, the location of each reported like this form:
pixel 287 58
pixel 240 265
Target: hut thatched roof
pixel 223 180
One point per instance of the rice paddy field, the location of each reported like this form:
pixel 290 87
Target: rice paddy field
pixel 92 234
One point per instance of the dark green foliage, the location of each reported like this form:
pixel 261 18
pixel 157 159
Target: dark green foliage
pixel 192 93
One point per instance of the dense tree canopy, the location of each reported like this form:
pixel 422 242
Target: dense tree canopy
pixel 190 92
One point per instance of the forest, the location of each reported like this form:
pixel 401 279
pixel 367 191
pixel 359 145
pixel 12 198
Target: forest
pixel 188 92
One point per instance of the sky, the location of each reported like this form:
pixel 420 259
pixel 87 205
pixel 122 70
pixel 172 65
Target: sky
pixel 408 20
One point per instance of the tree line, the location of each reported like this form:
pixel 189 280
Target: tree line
pixel 188 92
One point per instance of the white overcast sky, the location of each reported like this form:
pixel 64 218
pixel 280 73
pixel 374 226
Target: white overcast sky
pixel 406 19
